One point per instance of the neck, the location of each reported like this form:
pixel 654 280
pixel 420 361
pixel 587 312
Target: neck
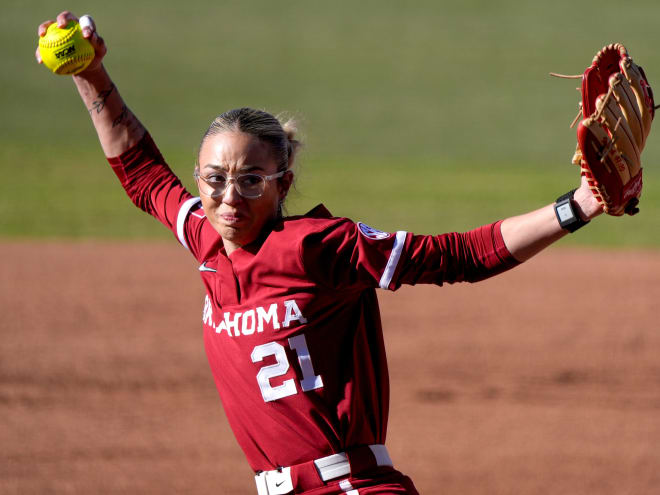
pixel 230 246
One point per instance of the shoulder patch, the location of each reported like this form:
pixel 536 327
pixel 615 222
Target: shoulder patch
pixel 371 233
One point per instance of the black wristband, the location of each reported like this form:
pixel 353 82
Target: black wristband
pixel 566 212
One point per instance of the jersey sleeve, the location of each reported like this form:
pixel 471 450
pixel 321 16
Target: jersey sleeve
pixel 154 188
pixel 454 257
pixel 347 255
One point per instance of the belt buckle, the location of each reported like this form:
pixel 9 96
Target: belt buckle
pixel 333 466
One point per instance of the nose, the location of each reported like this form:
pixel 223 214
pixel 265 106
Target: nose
pixel 231 195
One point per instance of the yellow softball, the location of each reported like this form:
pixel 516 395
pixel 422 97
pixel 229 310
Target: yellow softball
pixel 64 50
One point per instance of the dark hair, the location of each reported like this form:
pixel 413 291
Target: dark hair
pixel 280 136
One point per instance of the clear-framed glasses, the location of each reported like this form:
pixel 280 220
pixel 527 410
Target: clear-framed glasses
pixel 250 186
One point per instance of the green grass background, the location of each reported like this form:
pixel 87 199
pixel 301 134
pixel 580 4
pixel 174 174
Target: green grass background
pixel 426 116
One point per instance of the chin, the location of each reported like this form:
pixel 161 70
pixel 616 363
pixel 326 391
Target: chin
pixel 229 233
pixel 234 235
pixel 225 231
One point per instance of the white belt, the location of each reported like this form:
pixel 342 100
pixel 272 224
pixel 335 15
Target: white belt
pixel 279 482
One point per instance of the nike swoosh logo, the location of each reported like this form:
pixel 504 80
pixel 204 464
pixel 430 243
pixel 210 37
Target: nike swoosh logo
pixel 277 485
pixel 204 268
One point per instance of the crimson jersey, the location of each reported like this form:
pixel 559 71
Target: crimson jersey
pixel 292 327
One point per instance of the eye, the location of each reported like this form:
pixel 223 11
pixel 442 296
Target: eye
pixel 216 179
pixel 250 180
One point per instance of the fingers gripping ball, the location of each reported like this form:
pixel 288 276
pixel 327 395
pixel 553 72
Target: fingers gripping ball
pixel 64 50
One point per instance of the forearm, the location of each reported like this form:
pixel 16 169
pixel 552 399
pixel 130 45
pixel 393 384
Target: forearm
pixel 528 234
pixel 117 128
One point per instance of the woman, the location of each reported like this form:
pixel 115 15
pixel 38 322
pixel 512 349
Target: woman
pixel 291 322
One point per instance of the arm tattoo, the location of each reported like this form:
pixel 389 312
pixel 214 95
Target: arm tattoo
pixel 127 119
pixel 122 117
pixel 99 104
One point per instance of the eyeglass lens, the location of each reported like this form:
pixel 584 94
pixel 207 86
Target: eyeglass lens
pixel 248 185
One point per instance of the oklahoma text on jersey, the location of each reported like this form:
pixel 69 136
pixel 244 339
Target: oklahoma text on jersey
pixel 253 320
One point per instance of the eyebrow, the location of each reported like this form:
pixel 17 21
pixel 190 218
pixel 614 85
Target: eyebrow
pixel 243 169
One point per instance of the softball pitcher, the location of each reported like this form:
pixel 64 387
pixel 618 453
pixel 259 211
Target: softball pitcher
pixel 291 321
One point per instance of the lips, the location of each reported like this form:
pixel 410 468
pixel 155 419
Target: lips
pixel 232 218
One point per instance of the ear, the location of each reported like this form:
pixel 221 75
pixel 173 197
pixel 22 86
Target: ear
pixel 284 184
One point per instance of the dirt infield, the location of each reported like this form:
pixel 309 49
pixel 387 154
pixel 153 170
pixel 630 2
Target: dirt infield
pixel 543 380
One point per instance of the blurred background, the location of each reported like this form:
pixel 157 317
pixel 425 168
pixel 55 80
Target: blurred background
pixel 426 116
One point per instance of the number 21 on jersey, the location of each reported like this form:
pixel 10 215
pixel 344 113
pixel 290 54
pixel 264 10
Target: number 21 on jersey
pixel 309 380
